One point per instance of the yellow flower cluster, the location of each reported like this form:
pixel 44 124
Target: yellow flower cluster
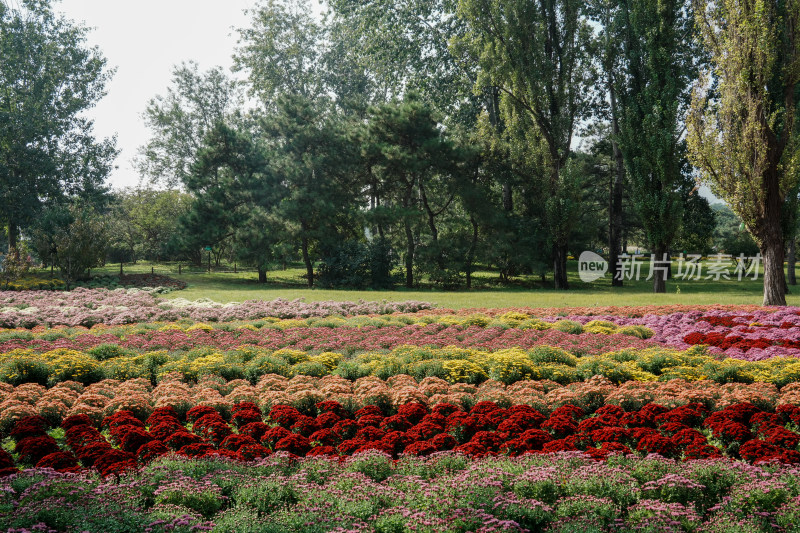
pixel 451 363
pixel 33 284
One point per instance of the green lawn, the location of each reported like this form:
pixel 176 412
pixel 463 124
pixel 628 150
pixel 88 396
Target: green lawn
pixel 228 287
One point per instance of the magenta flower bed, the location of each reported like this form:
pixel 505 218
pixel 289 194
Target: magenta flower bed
pixel 343 338
pixel 749 335
pixel 86 307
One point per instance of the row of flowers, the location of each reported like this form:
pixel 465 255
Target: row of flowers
pixel 442 493
pixel 451 363
pixel 303 392
pixel 744 335
pixel 687 432
pixel 751 335
pixel 140 339
pixel 86 307
pixel 453 328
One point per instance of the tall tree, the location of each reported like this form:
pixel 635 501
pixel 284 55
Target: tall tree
pixel 311 157
pixel 232 187
pixel 404 46
pixel 606 14
pixel 144 219
pixel 742 133
pixel 412 159
pixel 653 89
pixel 281 51
pixel 539 56
pixel 180 120
pixel 49 77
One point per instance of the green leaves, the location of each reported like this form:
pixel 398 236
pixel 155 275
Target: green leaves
pixel 49 77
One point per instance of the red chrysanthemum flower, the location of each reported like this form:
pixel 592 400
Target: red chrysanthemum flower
pixel 254 429
pixel 196 449
pixel 444 409
pixel 245 416
pixel 245 406
pixel 284 415
pixel 701 451
pixel 370 433
pixel 179 439
pixel 345 429
pixel 89 453
pixel 29 426
pixel 326 451
pixel 444 441
pixel 396 422
pixel 293 443
pixel 149 451
pixel 328 419
pixel 559 445
pixel 559 426
pixel 782 437
pixel 135 439
pixel 234 442
pixel 32 449
pixel 413 412
pixel 330 406
pixel 59 461
pixel 369 410
pixel 165 427
pixel 484 407
pixel 613 410
pixel 76 420
pixel 248 452
pixel 657 444
pixel 472 449
pixel 424 431
pixel 349 446
pixel 688 437
pixel 199 411
pixel 325 437
pixel 569 411
pixel 612 434
pixel 373 420
pixel 420 448
pixel 162 414
pixel 757 450
pixel 271 437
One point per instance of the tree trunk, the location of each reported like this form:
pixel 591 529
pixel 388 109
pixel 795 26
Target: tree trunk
pixel 307 261
pixel 471 252
pixel 659 276
pixel 615 215
pixel 772 253
pixel 508 198
pixel 409 256
pixel 262 275
pixel 560 266
pixel 409 236
pixel 433 228
pixel 13 236
pixel 791 260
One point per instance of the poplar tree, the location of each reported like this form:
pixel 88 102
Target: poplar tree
pixel 539 56
pixel 742 132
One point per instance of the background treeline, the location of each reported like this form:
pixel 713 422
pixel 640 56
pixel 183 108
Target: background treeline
pixel 391 142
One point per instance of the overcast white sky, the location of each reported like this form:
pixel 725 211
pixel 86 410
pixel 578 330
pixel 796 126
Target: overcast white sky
pixel 143 40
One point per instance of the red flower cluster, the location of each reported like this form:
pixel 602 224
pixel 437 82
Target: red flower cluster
pixel 740 430
pixel 734 339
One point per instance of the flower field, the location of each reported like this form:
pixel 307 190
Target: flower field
pixel 122 412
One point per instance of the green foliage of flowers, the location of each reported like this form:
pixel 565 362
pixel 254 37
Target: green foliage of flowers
pixel 453 364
